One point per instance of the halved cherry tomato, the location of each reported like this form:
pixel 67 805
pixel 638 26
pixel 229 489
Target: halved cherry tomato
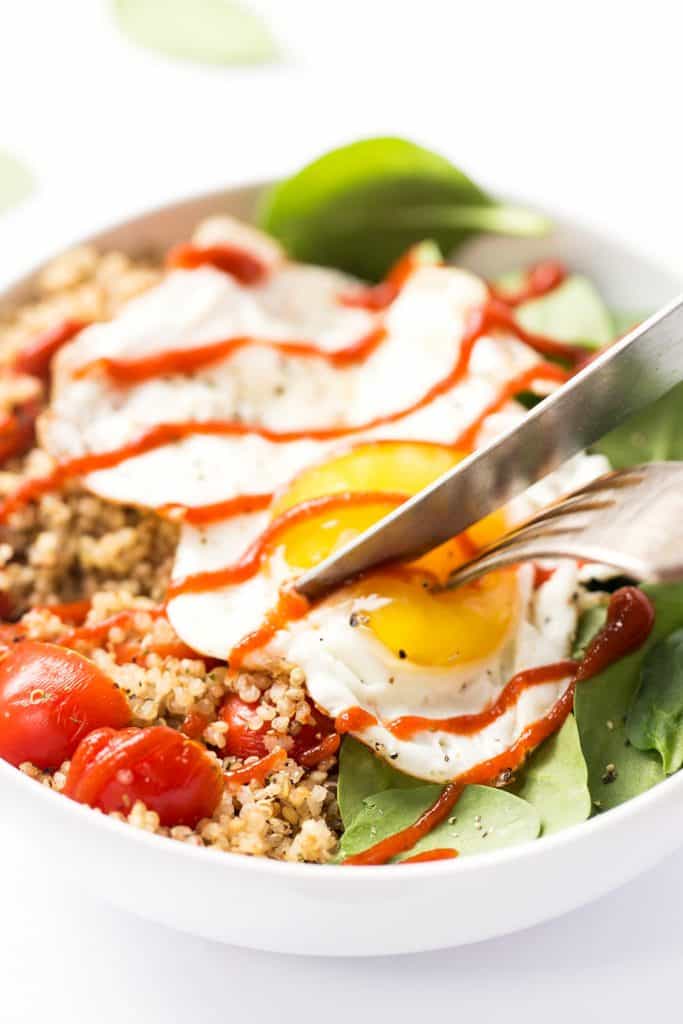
pixel 241 741
pixel 170 773
pixel 50 698
pixel 18 430
pixel 36 356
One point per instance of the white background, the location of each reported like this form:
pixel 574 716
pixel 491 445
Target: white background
pixel 577 106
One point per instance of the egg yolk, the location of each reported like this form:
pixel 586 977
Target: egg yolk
pixel 404 466
pixel 406 610
pixel 442 627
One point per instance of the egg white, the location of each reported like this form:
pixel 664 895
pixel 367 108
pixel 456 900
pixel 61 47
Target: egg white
pixel 345 667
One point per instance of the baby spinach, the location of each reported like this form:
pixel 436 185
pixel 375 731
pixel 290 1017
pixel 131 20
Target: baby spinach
pixel 624 321
pixel 362 774
pixel 483 819
pixel 618 770
pixel 359 207
pixel 655 434
pixel 590 621
pixel 655 720
pixel 555 780
pixel 573 312
pixel 16 181
pixel 206 31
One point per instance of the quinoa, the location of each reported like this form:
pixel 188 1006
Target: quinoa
pixel 71 545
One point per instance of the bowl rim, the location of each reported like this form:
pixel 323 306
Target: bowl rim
pixel 317 873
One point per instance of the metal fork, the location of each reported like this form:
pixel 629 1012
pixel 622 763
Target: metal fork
pixel 631 519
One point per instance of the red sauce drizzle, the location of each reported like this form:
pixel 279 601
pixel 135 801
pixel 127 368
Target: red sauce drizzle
pixel 543 278
pixel 326 748
pixel 354 720
pixel 377 297
pixel 252 559
pixel 630 617
pixel 127 372
pixel 492 315
pixel 240 263
pixel 36 356
pixel 542 371
pixel 259 771
pixel 202 515
pixel 407 726
pixel 441 854
pixel 290 606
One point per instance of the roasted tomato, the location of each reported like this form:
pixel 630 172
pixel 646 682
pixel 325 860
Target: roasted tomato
pixel 50 698
pixel 241 741
pixel 37 355
pixel 170 773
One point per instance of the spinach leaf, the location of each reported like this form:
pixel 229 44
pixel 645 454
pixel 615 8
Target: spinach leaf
pixel 206 31
pixel 358 208
pixel 652 435
pixel 617 770
pixel 574 312
pixel 363 774
pixel 484 819
pixel 15 181
pixel 590 622
pixel 623 321
pixel 655 720
pixel 555 780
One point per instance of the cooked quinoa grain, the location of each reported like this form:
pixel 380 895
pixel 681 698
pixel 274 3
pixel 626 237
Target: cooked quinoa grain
pixel 71 546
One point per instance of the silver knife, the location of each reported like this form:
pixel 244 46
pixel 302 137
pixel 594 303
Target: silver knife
pixel 639 368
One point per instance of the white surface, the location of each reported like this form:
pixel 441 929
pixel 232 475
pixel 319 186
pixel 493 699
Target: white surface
pixel 574 105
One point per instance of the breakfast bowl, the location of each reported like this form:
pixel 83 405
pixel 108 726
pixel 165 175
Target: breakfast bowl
pixel 335 908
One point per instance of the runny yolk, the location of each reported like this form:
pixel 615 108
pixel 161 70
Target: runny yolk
pixel 404 466
pixel 405 609
pixel 443 627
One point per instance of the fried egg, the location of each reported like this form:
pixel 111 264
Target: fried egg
pixel 393 644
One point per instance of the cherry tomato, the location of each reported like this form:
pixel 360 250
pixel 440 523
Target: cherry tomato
pixel 170 773
pixel 241 741
pixel 50 698
pixel 18 430
pixel 37 355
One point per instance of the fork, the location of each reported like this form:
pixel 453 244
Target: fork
pixel 631 519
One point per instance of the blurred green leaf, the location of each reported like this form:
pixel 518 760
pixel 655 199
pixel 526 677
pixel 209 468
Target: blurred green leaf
pixel 205 31
pixel 16 181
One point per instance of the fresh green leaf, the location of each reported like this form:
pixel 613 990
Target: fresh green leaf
pixel 655 720
pixel 590 621
pixel 206 31
pixel 655 434
pixel 573 312
pixel 363 774
pixel 484 819
pixel 555 780
pixel 358 208
pixel 16 181
pixel 624 321
pixel 617 770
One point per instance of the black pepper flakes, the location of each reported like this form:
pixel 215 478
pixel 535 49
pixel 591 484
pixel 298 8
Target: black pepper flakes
pixel 609 775
pixel 402 653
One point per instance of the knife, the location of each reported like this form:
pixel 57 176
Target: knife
pixel 635 371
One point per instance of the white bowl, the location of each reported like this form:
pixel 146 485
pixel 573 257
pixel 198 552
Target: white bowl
pixel 302 908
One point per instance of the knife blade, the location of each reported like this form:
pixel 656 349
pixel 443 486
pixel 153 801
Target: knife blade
pixel 635 371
